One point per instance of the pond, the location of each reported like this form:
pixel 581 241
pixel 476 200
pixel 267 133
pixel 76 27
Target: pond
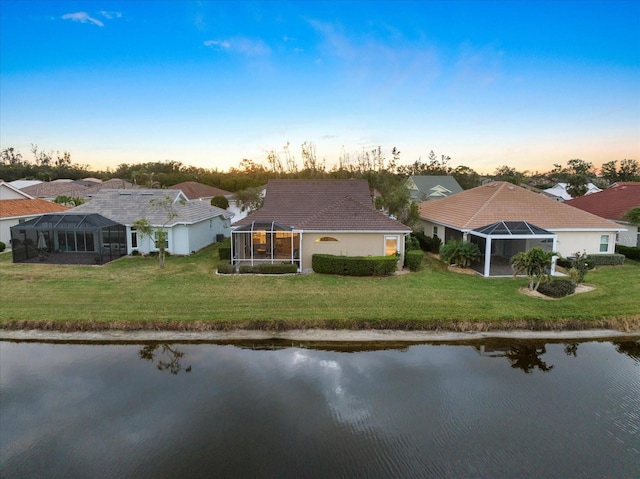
pixel 492 408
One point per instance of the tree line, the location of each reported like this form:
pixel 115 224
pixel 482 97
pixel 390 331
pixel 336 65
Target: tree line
pixel 385 175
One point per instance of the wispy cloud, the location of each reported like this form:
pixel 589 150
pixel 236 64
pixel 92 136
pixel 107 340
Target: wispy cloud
pixel 110 15
pixel 244 46
pixel 82 17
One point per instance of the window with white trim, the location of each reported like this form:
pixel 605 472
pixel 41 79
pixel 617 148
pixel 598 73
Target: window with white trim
pixel 435 231
pixel 391 245
pixel 604 243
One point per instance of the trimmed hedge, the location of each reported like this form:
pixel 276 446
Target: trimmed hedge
pixel 631 252
pixel 268 268
pixel 354 265
pixel 225 267
pixel 224 250
pixel 558 288
pixel 413 259
pixel 607 259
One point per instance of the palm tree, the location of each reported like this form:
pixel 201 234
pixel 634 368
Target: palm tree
pixel 536 264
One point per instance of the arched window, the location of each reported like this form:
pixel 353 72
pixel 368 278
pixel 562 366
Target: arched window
pixel 325 238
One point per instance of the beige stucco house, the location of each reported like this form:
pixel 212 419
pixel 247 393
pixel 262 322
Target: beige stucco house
pixel 300 218
pixel 504 219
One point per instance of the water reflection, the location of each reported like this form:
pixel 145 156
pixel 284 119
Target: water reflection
pixel 166 357
pixel 251 410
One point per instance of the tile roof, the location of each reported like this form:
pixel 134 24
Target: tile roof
pixel 502 201
pixel 28 207
pixel 323 205
pixel 194 190
pixel 80 188
pixel 128 206
pixel 611 203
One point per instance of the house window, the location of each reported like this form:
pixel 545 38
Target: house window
pixel 435 231
pixel 325 238
pixel 162 234
pixel 134 238
pixel 390 245
pixel 604 243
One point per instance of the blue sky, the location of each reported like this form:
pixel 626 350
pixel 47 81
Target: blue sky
pixel 525 84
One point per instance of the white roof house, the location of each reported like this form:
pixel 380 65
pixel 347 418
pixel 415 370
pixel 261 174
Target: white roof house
pixel 559 191
pixel 190 225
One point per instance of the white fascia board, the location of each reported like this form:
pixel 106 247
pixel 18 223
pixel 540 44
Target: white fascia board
pixel 585 230
pixel 530 236
pixel 359 231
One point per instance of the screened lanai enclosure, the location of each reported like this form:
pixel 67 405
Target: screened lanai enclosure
pixel 67 238
pixel 498 242
pixel 265 242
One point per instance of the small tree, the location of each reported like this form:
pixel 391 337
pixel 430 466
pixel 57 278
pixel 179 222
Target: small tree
pixel 536 264
pixel 579 268
pixel 158 234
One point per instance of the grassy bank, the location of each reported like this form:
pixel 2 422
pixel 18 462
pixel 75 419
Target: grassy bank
pixel 133 293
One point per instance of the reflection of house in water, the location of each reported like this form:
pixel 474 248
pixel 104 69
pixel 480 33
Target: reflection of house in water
pixel 521 355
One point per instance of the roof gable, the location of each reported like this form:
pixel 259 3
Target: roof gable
pixel 10 192
pixel 194 190
pixel 502 201
pixel 433 186
pixel 611 203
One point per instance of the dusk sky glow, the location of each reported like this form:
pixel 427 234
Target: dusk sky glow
pixel 519 83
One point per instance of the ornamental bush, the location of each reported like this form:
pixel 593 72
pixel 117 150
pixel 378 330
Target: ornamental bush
pixel 2 246
pixel 558 288
pixel 413 259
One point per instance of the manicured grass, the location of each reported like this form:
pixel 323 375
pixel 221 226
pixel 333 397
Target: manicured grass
pixel 134 293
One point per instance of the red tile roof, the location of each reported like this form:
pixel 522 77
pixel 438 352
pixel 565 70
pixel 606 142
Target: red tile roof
pixel 611 203
pixel 194 190
pixel 28 207
pixel 501 201
pixel 322 205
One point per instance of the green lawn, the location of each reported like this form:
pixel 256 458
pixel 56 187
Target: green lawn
pixel 134 293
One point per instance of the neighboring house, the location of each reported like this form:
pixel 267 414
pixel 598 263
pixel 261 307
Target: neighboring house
pixel 10 192
pixel 76 188
pixel 16 208
pixel 612 204
pixel 199 191
pixel 300 218
pixel 559 191
pixel 24 183
pixel 195 224
pixel 423 188
pixel 504 219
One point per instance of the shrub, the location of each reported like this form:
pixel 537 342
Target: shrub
pixel 224 267
pixel 615 259
pixel 220 201
pixel 558 288
pixel 2 246
pixel 278 268
pixel 224 250
pixel 431 245
pixel 411 243
pixel 354 265
pixel 413 259
pixel 631 252
pixel 459 252
pixel 135 252
pixel 579 267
